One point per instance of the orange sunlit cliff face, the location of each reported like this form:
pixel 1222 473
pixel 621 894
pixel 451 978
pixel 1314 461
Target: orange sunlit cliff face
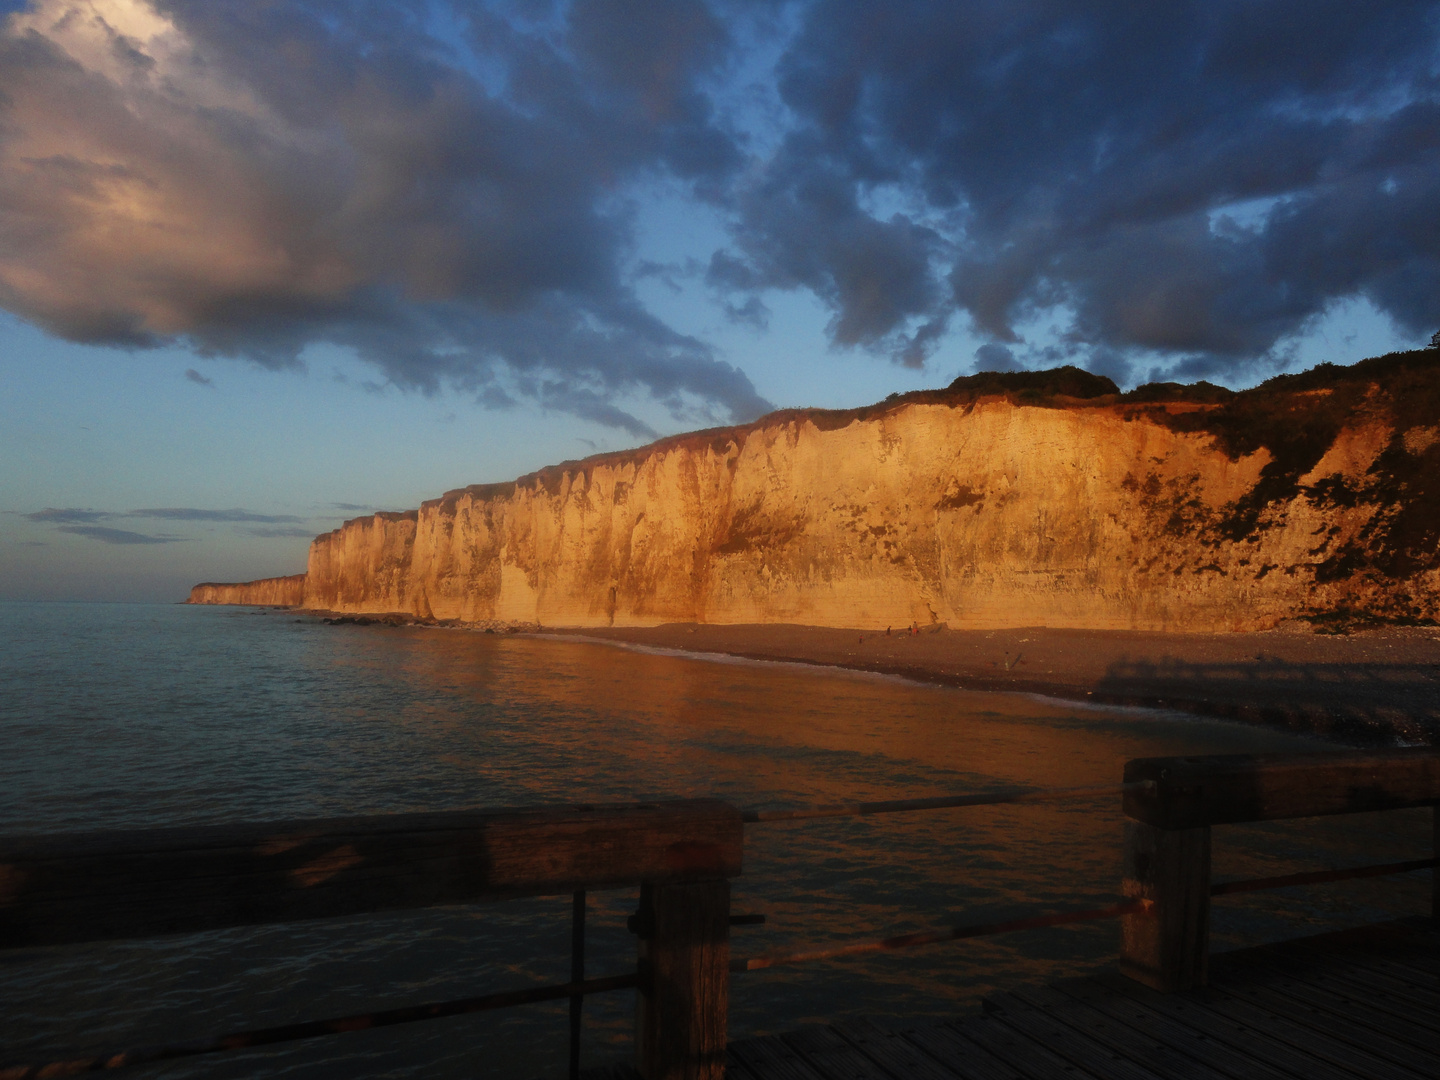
pixel 1022 499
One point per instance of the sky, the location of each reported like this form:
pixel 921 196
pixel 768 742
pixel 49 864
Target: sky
pixel 266 266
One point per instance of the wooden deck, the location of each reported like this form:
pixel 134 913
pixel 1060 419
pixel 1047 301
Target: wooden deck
pixel 1355 1004
pixel 1359 1004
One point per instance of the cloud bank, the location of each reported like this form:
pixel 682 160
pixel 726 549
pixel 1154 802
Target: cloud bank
pixel 1197 181
pixel 79 521
pixel 107 535
pixel 449 190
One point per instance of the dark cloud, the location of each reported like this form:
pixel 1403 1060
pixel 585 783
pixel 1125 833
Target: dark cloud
pixel 804 228
pixel 254 179
pixel 1196 181
pixel 82 522
pixel 279 531
pixel 186 513
pixel 753 313
pixel 195 377
pixel 108 535
pixel 589 405
pixel 450 190
pixel 996 357
pixel 71 515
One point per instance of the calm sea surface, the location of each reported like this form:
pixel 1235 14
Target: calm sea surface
pixel 118 716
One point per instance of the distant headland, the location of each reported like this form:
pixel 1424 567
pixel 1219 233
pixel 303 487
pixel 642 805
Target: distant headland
pixel 1009 499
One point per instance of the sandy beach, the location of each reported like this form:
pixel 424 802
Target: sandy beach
pixel 1378 686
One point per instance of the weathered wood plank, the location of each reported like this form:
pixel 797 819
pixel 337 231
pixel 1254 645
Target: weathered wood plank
pixel 1177 1036
pixel 1410 942
pixel 1246 1027
pixel 898 1056
pixel 1241 1033
pixel 1068 1043
pixel 962 1056
pixel 1342 1006
pixel 1384 977
pixel 1425 965
pixel 735 1069
pixel 1344 977
pixel 1136 1046
pixel 832 1056
pixel 684 962
pixel 1361 1061
pixel 1420 960
pixel 769 1058
pixel 1168 947
pixel 1017 1050
pixel 1336 982
pixel 1345 1028
pixel 1190 792
pixel 58 889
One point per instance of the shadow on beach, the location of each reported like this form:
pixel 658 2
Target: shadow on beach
pixel 1353 701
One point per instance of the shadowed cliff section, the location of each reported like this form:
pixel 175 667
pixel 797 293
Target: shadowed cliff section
pixel 1004 499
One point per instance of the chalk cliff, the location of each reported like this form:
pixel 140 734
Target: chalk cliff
pixel 267 592
pixel 1021 499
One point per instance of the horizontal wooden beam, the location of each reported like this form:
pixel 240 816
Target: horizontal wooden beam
pixel 1190 792
pixel 57 889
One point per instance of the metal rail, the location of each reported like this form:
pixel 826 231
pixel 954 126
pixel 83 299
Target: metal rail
pixel 933 937
pixel 312 1029
pixel 1320 877
pixel 1136 907
pixel 942 802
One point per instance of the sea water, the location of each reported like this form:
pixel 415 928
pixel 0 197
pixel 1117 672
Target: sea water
pixel 125 716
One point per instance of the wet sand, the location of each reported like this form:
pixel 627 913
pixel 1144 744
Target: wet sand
pixel 1368 687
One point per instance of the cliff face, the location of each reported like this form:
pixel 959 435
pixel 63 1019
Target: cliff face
pixel 1015 500
pixel 267 592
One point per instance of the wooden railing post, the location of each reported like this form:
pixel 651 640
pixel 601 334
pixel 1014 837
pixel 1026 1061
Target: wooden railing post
pixel 1172 803
pixel 1168 947
pixel 684 1000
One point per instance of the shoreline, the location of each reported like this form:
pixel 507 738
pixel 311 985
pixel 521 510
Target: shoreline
pixel 1369 687
pixel 1372 687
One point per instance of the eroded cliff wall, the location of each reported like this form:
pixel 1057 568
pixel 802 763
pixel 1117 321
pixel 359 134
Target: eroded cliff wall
pixel 1007 500
pixel 267 592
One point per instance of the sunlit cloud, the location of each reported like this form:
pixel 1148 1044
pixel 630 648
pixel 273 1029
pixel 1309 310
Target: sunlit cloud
pixel 255 179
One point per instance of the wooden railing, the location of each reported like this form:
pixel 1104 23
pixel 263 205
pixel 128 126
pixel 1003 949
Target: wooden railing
pixel 1172 803
pixel 66 889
